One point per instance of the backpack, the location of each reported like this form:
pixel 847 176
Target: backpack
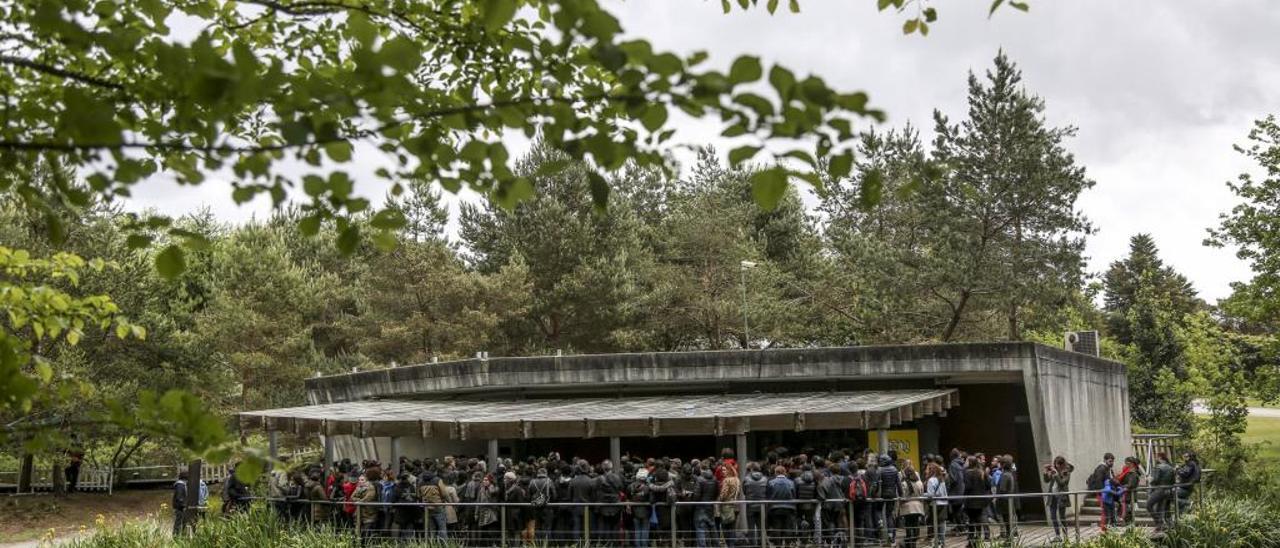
pixel 858 489
pixel 1096 479
pixel 405 495
pixel 538 495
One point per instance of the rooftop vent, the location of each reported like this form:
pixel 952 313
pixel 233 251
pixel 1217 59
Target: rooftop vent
pixel 1084 342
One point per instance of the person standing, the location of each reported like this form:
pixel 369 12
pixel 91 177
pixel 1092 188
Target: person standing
pixel 911 508
pixel 236 493
pixel 1130 478
pixel 729 495
pixel 705 491
pixel 1057 478
pixel 782 512
pixel 365 498
pixel 313 490
pixel 542 492
pixel 179 504
pixel 833 494
pixel 609 489
pixel 936 490
pixel 1007 486
pixel 977 497
pixel 642 511
pixel 890 481
pixel 75 458
pixel 406 510
pixel 955 486
pixel 754 489
pixel 1162 478
pixel 1097 482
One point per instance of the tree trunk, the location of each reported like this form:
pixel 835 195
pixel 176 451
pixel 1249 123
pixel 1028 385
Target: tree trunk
pixel 25 472
pixel 957 313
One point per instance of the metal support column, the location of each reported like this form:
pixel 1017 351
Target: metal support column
pixel 740 452
pixel 882 439
pixel 615 451
pixel 328 451
pixel 493 455
pixel 394 463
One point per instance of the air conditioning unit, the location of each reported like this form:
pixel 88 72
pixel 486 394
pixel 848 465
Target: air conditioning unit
pixel 1084 342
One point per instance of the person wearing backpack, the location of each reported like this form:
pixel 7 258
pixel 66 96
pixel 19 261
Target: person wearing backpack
pixel 1097 481
pixel 889 480
pixel 860 494
pixel 431 493
pixel 542 491
pixel 705 491
pixel 833 506
pixel 754 488
pixel 406 510
pixel 1007 485
pixel 664 493
pixel 321 512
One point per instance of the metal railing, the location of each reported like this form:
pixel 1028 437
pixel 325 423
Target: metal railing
pixel 755 523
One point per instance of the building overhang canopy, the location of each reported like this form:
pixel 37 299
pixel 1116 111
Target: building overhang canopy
pixel 674 415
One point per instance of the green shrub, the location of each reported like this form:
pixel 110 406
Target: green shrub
pixel 1228 520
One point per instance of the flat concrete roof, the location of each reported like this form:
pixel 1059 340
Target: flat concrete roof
pixel 702 371
pixel 627 416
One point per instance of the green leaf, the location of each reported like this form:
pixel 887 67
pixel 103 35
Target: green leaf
pixel 883 4
pixel 496 13
pixel 995 5
pixel 871 188
pixel 909 26
pixel 349 239
pixel 840 165
pixel 309 225
pixel 1020 6
pixel 655 115
pixel 794 5
pixel 137 241
pixel 782 80
pixel 388 219
pixel 768 187
pixel 773 6
pixel 249 470
pixel 171 261
pixel 339 151
pixel 745 69
pixel 742 154
pixel 599 190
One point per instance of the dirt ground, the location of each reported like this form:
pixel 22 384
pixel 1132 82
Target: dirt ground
pixel 27 518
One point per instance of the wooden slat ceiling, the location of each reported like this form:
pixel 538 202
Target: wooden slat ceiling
pixel 719 414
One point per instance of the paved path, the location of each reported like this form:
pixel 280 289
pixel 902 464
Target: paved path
pixel 1263 412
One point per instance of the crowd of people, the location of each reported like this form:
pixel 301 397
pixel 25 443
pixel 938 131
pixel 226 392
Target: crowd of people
pixel 805 498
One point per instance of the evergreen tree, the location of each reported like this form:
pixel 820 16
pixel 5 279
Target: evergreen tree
pixel 1011 187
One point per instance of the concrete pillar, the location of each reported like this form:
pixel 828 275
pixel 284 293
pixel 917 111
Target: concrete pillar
pixel 493 455
pixel 615 450
pixel 273 448
pixel 740 452
pixel 882 439
pixel 328 451
pixel 394 463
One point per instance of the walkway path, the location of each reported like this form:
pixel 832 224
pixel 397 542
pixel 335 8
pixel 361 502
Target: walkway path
pixel 1263 412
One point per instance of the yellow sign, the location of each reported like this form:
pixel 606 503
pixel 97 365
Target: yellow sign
pixel 905 442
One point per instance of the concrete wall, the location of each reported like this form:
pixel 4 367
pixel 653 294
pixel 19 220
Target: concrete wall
pixel 1079 409
pixel 679 371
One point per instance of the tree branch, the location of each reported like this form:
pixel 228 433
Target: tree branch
pixel 59 72
pixel 178 146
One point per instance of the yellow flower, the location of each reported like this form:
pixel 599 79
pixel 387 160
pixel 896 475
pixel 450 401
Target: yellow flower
pixel 100 520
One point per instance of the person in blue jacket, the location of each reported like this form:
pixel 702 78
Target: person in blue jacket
pixel 1112 493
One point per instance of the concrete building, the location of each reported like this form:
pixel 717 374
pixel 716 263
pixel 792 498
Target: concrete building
pixel 1025 399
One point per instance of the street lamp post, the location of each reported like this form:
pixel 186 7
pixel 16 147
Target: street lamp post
pixel 746 330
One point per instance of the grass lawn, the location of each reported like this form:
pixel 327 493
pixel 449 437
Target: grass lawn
pixel 30 518
pixel 1265 430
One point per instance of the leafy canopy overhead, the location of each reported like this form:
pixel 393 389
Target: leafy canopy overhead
pixel 257 88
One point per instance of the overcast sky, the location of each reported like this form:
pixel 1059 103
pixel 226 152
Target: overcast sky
pixel 1160 90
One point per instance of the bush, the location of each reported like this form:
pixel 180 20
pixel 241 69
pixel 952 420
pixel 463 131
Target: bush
pixel 1230 521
